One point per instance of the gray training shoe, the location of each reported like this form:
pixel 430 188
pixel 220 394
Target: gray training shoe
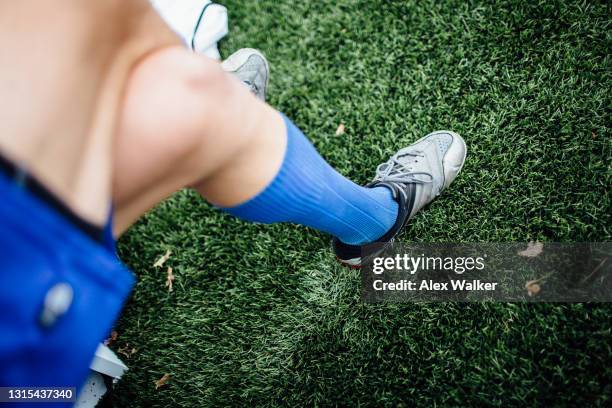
pixel 415 175
pixel 251 67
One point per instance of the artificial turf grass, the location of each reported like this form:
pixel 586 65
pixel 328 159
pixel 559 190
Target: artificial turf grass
pixel 263 315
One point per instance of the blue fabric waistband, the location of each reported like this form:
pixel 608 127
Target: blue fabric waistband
pixel 42 250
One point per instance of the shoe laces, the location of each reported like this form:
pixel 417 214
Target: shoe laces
pixel 399 173
pixel 252 87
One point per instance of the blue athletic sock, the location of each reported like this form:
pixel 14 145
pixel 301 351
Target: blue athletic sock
pixel 308 191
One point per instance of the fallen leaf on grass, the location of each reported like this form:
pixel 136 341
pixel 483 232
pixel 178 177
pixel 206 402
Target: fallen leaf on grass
pixel 162 381
pixel 112 338
pixel 169 279
pixel 533 288
pixel 340 129
pixel 161 261
pixel 533 249
pixel 127 351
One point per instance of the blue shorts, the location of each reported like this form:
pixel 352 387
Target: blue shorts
pixel 61 290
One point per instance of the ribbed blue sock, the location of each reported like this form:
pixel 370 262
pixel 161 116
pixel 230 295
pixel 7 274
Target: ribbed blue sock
pixel 308 191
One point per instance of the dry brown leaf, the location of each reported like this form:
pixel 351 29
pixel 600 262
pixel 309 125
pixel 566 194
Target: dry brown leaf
pixel 161 261
pixel 169 279
pixel 340 129
pixel 533 249
pixel 162 381
pixel 127 351
pixel 533 288
pixel 112 338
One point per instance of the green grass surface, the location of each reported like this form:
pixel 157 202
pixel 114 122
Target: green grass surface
pixel 263 314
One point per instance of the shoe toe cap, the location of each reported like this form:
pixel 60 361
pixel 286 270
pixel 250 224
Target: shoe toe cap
pixel 454 158
pixel 453 150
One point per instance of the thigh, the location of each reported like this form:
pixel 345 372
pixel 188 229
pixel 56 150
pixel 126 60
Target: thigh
pixel 64 68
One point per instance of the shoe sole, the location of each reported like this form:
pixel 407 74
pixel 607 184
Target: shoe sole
pixel 240 57
pixel 356 263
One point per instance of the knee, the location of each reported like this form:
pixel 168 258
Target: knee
pixel 179 93
pixel 216 109
pixel 213 100
pixel 203 83
pixel 186 82
pixel 171 98
pixel 188 107
pixel 205 78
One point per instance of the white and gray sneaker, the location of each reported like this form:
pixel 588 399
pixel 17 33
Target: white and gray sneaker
pixel 251 67
pixel 416 175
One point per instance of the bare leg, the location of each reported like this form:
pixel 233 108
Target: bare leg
pixel 64 67
pixel 185 122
